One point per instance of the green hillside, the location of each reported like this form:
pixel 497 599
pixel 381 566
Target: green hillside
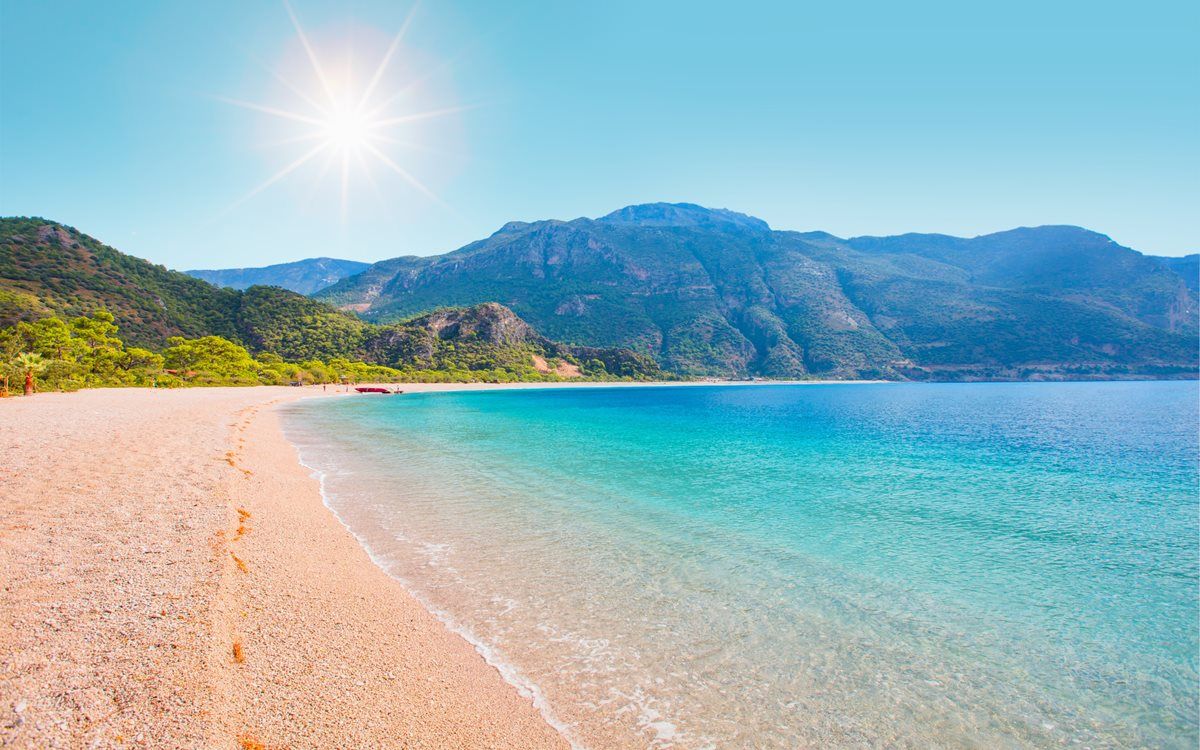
pixel 50 270
pixel 715 292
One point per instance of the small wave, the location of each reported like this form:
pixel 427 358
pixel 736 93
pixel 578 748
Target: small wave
pixel 650 720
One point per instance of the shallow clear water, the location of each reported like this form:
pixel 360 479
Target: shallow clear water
pixel 977 565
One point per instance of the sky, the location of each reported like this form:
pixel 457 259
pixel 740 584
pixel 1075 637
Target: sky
pixel 154 126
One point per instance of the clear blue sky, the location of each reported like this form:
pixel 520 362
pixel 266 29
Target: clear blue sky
pixel 855 118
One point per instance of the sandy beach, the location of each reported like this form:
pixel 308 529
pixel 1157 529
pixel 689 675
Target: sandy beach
pixel 171 578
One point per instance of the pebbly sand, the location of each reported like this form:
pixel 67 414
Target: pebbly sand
pixel 171 579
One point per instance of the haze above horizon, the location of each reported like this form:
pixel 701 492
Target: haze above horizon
pixel 159 130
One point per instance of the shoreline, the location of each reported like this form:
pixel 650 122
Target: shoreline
pixel 573 384
pixel 130 575
pixel 525 687
pixel 137 634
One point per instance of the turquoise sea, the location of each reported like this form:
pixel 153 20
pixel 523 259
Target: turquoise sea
pixel 891 565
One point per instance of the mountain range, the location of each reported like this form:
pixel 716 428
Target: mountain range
pixel 700 291
pixel 303 276
pixel 715 292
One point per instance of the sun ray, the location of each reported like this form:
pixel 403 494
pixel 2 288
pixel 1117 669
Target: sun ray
pixel 375 124
pixel 288 84
pixel 416 83
pixel 366 168
pixel 395 96
pixel 292 167
pixel 387 57
pixel 312 55
pixel 414 146
pixel 345 182
pixel 404 174
pixel 330 157
pixel 299 92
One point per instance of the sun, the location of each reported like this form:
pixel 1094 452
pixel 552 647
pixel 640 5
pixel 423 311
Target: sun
pixel 344 120
pixel 348 128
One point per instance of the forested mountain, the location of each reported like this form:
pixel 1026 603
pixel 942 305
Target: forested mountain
pixel 1187 266
pixel 716 292
pixel 50 269
pixel 303 276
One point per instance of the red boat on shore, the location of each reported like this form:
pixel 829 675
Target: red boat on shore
pixel 376 389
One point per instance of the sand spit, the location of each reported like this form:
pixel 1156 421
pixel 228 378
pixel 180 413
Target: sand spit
pixel 171 578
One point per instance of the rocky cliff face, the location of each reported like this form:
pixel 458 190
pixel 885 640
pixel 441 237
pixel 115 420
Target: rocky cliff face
pixel 491 333
pixel 489 323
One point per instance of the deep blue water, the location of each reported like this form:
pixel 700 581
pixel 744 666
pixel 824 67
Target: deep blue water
pixel 975 565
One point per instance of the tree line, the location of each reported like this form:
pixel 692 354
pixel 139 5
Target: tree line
pixel 87 352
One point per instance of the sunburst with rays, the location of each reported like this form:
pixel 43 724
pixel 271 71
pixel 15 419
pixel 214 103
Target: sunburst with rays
pixel 345 122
